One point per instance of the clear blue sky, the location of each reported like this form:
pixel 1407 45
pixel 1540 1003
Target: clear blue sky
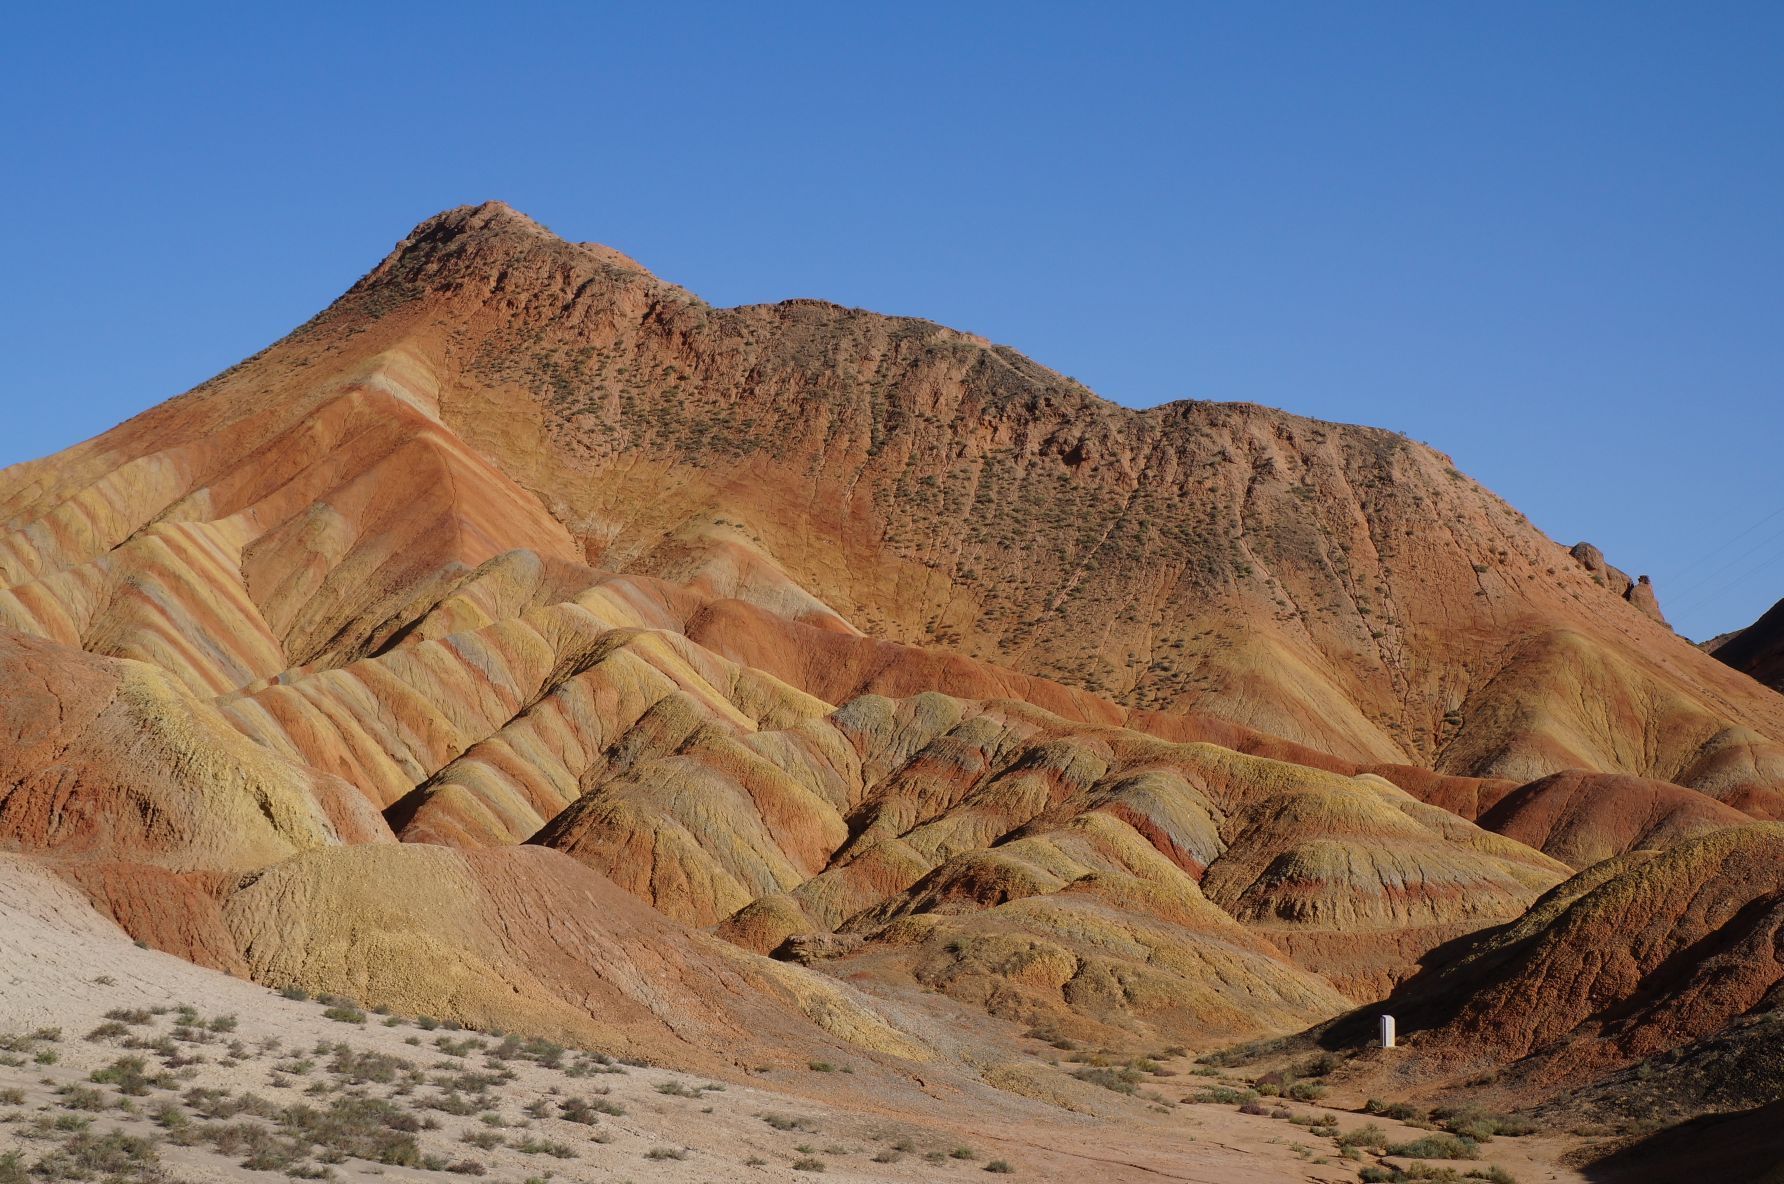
pixel 1546 238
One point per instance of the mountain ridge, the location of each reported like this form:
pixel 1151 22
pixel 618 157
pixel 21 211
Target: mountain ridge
pixel 853 641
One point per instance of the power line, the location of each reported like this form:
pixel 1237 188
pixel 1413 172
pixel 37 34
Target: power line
pixel 1737 538
pixel 1719 589
pixel 1706 577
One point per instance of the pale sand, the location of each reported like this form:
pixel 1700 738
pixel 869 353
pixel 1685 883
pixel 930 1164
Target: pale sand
pixel 62 965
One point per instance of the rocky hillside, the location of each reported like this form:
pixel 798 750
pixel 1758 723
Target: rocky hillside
pixel 526 642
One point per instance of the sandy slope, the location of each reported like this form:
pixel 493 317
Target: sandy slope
pixel 64 967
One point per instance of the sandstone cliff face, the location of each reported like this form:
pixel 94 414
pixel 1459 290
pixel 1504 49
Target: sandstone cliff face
pixel 843 636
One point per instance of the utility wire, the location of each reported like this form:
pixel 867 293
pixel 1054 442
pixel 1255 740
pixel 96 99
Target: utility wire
pixel 1737 538
pixel 1709 576
pixel 1717 590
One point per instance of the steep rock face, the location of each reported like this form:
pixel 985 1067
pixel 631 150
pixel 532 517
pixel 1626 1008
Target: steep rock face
pixel 1303 531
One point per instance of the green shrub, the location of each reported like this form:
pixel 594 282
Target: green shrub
pixel 786 1122
pixel 130 1075
pixel 1318 1065
pixel 86 1156
pixel 1226 1095
pixel 1371 1137
pixel 79 1097
pixel 1437 1145
pixel 586 1112
pixel 1398 1111
pixel 1480 1125
pixel 1121 1080
pixel 362 1127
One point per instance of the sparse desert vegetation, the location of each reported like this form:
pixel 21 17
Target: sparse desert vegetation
pixel 155 1092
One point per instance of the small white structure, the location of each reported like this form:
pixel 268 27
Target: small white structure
pixel 1387 1031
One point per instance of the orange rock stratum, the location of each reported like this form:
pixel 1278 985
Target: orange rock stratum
pixel 526 642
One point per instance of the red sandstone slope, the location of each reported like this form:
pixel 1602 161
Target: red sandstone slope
pixel 1582 819
pixel 1631 957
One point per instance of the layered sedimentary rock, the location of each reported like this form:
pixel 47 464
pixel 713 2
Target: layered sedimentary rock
pixel 522 936
pixel 1582 818
pixel 1632 956
pixel 114 759
pixel 492 388
pixel 850 639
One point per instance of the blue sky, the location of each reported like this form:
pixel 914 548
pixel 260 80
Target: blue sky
pixel 1547 239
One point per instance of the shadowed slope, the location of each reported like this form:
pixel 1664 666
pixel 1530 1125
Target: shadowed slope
pixel 1633 956
pixel 1743 1148
pixel 1757 650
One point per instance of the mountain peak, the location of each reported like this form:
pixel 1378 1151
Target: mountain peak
pixel 485 218
pixel 488 238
